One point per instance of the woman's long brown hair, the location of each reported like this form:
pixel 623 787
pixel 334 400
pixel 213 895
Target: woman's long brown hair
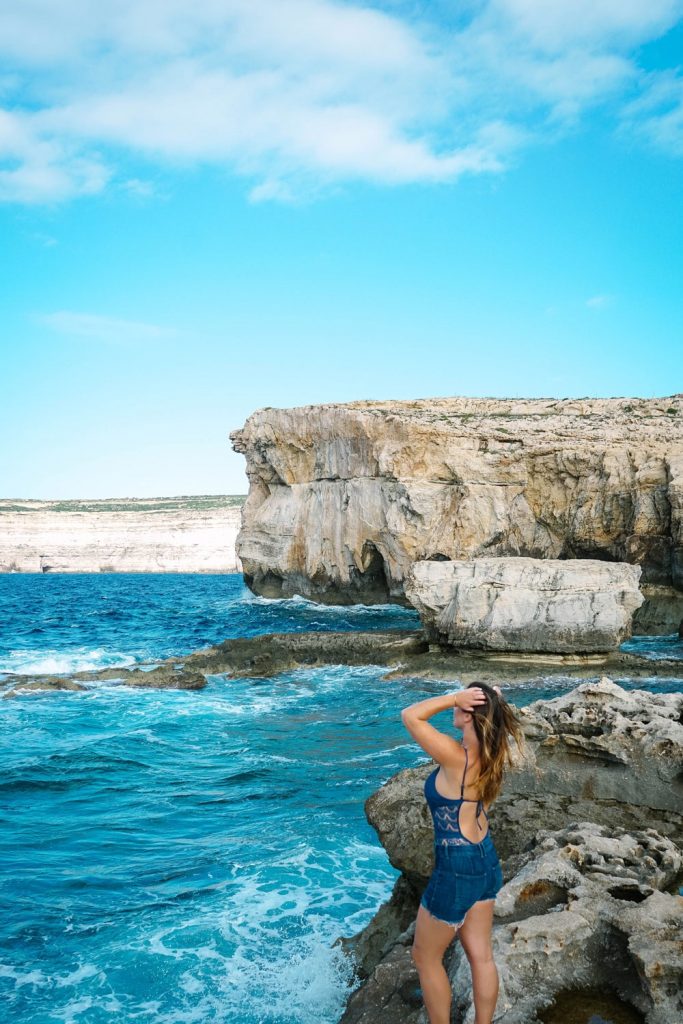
pixel 494 723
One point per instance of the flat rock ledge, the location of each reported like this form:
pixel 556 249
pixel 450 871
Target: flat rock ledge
pixel 589 901
pixel 526 604
pixel 404 653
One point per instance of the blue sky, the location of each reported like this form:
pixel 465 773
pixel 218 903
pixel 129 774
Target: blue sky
pixel 272 203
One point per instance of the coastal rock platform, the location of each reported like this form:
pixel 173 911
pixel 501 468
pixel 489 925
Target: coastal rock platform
pixel 404 653
pixel 586 907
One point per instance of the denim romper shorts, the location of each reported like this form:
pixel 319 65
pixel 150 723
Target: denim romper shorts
pixel 464 872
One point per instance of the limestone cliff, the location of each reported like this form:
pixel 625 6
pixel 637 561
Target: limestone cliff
pixel 186 534
pixel 343 498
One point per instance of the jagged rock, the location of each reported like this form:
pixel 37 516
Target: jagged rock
pixel 168 676
pixel 279 652
pixel 392 993
pixel 585 908
pixel 599 753
pixel 49 683
pixel 587 903
pixel 526 604
pixel 626 865
pixel 344 498
pixel 165 677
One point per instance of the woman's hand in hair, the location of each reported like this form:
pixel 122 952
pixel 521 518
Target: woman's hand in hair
pixel 469 698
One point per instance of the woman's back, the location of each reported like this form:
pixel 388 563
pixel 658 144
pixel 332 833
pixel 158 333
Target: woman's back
pixel 457 819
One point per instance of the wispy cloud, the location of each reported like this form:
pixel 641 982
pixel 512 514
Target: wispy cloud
pixel 108 329
pixel 657 113
pixel 298 96
pixel 599 301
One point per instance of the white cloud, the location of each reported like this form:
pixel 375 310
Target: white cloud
pixel 103 328
pixel 305 94
pixel 139 188
pixel 556 25
pixel 599 301
pixel 657 114
pixel 37 167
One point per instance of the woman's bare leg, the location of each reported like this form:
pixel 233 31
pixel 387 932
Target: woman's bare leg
pixel 432 939
pixel 475 936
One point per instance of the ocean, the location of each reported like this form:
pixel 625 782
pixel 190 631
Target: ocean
pixel 186 857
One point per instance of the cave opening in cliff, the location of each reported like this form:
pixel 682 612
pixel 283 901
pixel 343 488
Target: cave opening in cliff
pixel 372 580
pixel 267 584
pixel 579 551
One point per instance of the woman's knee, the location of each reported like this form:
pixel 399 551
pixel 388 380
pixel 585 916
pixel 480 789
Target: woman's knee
pixel 479 954
pixel 421 956
pixel 417 954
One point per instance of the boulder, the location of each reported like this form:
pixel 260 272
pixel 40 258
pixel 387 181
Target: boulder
pixel 526 604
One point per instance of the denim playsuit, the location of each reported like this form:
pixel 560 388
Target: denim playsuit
pixel 464 872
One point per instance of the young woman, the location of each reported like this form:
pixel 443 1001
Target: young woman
pixel 461 891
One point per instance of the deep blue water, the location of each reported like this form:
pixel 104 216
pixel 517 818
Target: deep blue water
pixel 60 621
pixel 189 857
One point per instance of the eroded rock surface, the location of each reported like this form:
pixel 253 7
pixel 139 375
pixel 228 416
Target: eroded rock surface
pixel 344 498
pixel 588 901
pixel 586 907
pixel 600 753
pixel 526 604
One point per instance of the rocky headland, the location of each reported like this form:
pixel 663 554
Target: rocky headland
pixel 345 498
pixel 588 828
pixel 184 534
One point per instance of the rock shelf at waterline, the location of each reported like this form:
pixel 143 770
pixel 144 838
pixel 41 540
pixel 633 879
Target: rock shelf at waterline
pixel 406 653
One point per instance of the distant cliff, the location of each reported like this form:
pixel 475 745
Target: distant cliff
pixel 183 534
pixel 345 497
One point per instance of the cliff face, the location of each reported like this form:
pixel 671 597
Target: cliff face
pixel 187 534
pixel 343 498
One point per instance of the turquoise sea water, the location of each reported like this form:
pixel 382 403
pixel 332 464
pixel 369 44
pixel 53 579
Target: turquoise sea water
pixel 189 857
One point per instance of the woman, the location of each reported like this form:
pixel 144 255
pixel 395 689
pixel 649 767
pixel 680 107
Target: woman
pixel 467 875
